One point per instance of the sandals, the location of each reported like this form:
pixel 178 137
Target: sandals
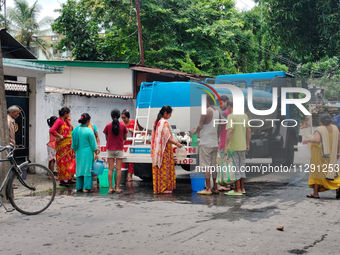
pixel 215 192
pixel 233 193
pixel 62 183
pixel 337 193
pixel 311 196
pixel 111 191
pixel 204 192
pixel 222 189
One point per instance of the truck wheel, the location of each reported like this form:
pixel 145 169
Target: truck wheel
pixel 143 171
pixel 284 157
pixel 186 167
pixel 289 153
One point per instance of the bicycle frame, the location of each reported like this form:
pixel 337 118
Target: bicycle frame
pixel 16 169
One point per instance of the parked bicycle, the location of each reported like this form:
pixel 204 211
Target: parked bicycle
pixel 36 186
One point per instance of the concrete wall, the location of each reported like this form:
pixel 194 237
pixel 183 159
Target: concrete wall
pixel 98 108
pixel 118 80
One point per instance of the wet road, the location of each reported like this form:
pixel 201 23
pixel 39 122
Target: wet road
pixel 138 222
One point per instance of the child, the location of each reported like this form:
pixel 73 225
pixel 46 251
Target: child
pixel 51 154
pixel 115 133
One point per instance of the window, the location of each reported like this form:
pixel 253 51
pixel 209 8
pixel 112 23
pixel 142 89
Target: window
pixel 263 85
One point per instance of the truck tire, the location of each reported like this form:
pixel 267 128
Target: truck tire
pixel 186 167
pixel 143 171
pixel 285 156
pixel 289 153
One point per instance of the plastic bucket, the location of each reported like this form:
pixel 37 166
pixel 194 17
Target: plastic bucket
pixel 104 178
pixel 197 182
pixel 304 153
pixel 124 176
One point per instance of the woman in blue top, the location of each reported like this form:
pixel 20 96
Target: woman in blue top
pixel 84 144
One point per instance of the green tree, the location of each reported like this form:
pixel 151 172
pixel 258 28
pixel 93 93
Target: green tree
pixel 188 35
pixel 23 20
pixel 308 27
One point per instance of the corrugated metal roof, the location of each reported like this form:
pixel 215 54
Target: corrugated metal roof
pixel 170 73
pixel 11 48
pixel 79 92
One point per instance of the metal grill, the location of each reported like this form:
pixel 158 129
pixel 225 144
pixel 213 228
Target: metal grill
pixel 16 89
pixel 15 86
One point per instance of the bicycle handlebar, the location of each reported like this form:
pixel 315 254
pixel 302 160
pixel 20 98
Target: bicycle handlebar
pixel 9 146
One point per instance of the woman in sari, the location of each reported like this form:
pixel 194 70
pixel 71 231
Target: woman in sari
pixel 62 129
pixel 84 145
pixel 163 167
pixel 325 148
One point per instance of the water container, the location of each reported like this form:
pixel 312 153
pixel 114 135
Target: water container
pixel 197 182
pixel 194 140
pixel 98 167
pixel 104 178
pixel 303 153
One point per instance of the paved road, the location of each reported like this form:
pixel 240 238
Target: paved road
pixel 138 222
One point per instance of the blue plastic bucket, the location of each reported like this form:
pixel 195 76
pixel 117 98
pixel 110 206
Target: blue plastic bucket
pixel 197 182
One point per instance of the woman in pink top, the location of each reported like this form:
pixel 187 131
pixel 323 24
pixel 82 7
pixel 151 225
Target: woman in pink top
pixel 115 133
pixel 51 154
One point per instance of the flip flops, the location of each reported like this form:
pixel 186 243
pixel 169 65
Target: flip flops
pixel 111 191
pixel 215 192
pixel 311 196
pixel 233 193
pixel 204 192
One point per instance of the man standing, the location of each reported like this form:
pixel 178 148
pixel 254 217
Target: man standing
pixel 223 132
pixel 319 94
pixel 13 113
pixel 237 140
pixel 208 145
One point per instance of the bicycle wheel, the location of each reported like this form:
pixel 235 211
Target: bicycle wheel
pixel 26 200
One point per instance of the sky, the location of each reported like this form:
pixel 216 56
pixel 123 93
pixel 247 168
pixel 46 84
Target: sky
pixel 48 6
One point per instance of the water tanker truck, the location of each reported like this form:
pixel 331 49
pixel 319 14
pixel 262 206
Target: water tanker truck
pixel 273 135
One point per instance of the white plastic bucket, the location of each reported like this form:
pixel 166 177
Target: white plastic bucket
pixel 304 153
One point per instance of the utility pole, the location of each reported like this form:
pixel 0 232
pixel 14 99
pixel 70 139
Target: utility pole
pixel 140 33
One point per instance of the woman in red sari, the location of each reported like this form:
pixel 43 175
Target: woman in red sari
pixel 163 167
pixel 130 125
pixel 62 129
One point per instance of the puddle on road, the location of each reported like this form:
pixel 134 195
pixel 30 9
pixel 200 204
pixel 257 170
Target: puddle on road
pixel 141 191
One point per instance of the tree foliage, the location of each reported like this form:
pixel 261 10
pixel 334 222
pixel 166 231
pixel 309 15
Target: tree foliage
pixel 24 25
pixel 207 37
pixel 308 27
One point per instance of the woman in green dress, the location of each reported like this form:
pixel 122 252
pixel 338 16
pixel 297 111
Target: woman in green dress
pixel 84 144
